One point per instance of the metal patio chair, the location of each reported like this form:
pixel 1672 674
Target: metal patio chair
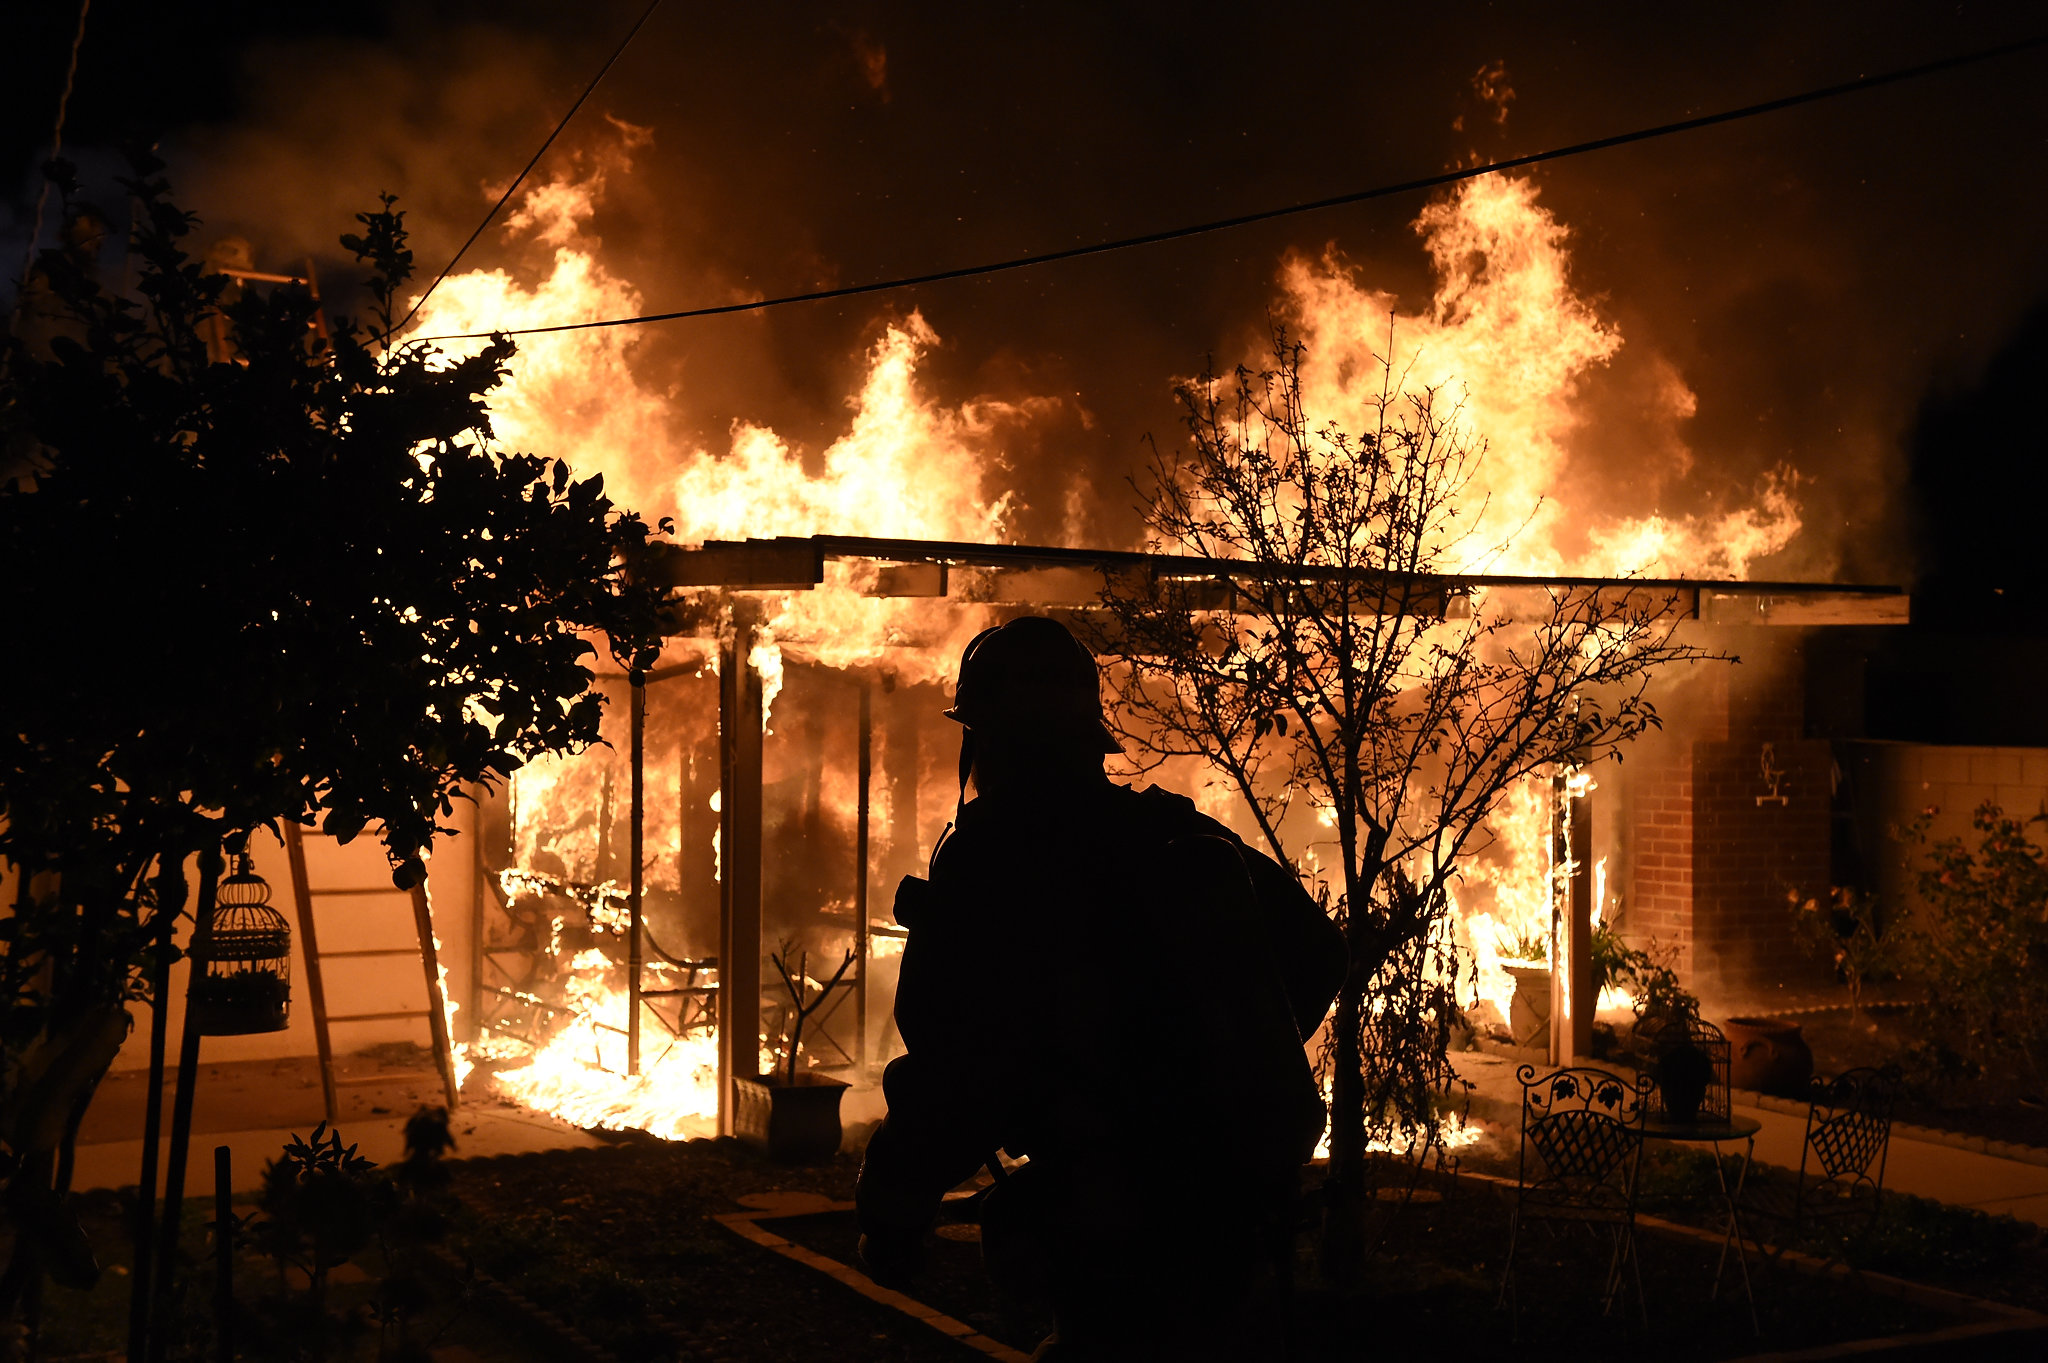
pixel 1582 1141
pixel 1841 1160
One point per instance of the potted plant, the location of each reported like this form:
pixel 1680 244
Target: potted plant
pixel 793 1116
pixel 1526 958
pixel 1666 1013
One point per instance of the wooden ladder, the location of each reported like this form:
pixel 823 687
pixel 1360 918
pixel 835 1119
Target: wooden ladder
pixel 316 989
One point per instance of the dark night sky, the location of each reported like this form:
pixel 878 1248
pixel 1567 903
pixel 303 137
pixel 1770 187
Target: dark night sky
pixel 1828 281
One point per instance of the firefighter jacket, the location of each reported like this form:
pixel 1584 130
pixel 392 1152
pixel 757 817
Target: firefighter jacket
pixel 1105 983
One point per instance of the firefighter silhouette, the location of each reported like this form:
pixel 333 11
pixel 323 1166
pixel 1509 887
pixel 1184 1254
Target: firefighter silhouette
pixel 1109 985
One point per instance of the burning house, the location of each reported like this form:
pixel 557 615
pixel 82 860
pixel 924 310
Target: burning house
pixel 606 922
pixel 605 990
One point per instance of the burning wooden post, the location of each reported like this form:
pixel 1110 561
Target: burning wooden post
pixel 1572 995
pixel 635 887
pixel 739 872
pixel 866 748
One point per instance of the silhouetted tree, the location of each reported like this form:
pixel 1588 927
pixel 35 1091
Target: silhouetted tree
pixel 298 583
pixel 1352 681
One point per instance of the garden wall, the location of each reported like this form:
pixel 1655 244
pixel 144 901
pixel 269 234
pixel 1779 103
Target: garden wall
pixel 1888 785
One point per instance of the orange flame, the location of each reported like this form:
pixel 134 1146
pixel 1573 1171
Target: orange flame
pixel 1504 332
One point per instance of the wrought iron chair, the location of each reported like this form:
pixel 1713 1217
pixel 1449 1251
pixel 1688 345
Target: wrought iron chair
pixel 1582 1140
pixel 1842 1159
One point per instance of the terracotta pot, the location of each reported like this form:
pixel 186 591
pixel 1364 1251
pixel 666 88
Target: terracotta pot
pixel 1769 1055
pixel 795 1120
pixel 1529 1009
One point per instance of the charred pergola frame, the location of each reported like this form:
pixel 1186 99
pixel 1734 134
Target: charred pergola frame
pixel 1049 578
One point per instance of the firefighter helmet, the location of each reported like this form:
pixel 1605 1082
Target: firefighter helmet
pixel 1031 676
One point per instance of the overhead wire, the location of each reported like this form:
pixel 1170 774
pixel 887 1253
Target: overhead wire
pixel 520 178
pixel 1449 177
pixel 35 231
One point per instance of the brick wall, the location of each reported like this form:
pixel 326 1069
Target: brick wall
pixel 1750 858
pixel 1710 867
pixel 1660 818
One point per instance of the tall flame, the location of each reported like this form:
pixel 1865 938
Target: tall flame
pixel 1504 333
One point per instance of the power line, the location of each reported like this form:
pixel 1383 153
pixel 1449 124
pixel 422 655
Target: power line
pixel 520 178
pixel 1266 215
pixel 35 231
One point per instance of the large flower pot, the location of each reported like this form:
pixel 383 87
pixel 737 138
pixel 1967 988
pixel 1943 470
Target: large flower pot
pixel 1529 1009
pixel 796 1120
pixel 1767 1054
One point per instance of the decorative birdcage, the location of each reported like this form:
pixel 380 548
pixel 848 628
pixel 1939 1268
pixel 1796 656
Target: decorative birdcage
pixel 245 960
pixel 1690 1060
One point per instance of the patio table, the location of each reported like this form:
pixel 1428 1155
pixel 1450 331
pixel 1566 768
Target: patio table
pixel 1713 1131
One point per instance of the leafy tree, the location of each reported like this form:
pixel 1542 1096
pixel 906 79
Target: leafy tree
pixel 1369 704
pixel 298 581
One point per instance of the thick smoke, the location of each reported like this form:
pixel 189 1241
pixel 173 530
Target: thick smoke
pixel 1803 279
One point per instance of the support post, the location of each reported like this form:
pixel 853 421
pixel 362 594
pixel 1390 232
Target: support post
pixel 739 880
pixel 866 741
pixel 480 866
pixel 1572 998
pixel 1559 1047
pixel 1585 998
pixel 634 881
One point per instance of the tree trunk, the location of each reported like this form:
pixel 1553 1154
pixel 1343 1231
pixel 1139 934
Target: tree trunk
pixel 1345 1189
pixel 1343 1248
pixel 169 1252
pixel 171 891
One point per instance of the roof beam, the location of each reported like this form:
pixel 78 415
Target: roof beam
pixel 1049 576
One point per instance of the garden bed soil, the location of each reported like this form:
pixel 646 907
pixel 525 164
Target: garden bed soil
pixel 93 1324
pixel 1999 1107
pixel 609 1237
pixel 619 1243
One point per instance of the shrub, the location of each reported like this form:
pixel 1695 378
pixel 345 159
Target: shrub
pixel 1981 950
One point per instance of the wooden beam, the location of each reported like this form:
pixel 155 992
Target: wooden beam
pixel 743 565
pixel 865 741
pixel 1816 607
pixel 638 703
pixel 909 579
pixel 739 878
pixel 1044 576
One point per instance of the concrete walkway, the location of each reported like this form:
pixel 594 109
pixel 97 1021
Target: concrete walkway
pixel 255 1106
pixel 479 1130
pixel 1927 1168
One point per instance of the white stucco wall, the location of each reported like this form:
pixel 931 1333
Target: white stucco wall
pixel 351 922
